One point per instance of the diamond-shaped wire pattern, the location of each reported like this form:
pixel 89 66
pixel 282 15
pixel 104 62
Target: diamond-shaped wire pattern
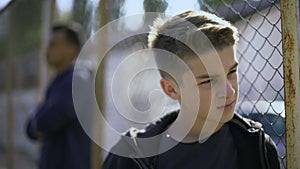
pixel 261 66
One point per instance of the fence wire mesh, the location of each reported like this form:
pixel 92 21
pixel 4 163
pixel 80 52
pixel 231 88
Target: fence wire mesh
pixel 261 62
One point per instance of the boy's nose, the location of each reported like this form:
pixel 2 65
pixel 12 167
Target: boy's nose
pixel 228 91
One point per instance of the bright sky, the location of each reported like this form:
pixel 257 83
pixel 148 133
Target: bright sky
pixel 3 3
pixel 64 5
pixel 136 6
pixel 174 6
pixel 132 7
pixel 178 6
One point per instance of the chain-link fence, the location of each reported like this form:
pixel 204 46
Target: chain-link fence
pixel 261 63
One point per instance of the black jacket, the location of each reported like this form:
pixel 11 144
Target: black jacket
pixel 256 150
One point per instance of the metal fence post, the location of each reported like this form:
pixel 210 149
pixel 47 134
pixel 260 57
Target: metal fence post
pixel 289 24
pixel 10 120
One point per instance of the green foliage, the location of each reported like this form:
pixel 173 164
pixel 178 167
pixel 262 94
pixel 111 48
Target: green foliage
pixel 215 3
pixel 81 12
pixel 3 44
pixel 115 8
pixel 26 25
pixel 155 5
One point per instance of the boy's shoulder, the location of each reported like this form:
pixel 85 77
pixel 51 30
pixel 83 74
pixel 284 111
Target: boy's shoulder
pixel 154 128
pixel 245 124
pixel 245 132
pixel 159 126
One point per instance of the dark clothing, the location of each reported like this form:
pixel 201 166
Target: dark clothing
pixel 220 147
pixel 65 145
pixel 254 148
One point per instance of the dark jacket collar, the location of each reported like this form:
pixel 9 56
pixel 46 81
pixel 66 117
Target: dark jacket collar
pixel 255 149
pixel 248 137
pixel 244 124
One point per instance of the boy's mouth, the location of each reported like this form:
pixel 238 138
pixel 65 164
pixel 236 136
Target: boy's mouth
pixel 227 106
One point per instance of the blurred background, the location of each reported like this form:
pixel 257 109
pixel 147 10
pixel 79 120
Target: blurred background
pixel 24 32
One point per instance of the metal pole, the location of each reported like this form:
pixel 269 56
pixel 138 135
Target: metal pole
pixel 96 151
pixel 289 24
pixel 47 18
pixel 9 92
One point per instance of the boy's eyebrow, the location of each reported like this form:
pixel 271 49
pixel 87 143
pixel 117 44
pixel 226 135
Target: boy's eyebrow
pixel 207 76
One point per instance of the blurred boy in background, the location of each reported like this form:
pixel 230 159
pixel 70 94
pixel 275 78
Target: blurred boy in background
pixel 65 145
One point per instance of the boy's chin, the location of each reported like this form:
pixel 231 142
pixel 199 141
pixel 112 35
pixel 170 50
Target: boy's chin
pixel 227 116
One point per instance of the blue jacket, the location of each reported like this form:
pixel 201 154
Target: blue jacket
pixel 65 145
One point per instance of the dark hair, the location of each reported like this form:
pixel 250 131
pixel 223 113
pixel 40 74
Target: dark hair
pixel 71 35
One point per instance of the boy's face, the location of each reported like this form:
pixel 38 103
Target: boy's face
pixel 59 51
pixel 218 91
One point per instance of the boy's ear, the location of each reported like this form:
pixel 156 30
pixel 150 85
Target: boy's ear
pixel 170 88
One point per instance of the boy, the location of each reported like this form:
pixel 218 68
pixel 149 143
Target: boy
pixel 216 136
pixel 64 143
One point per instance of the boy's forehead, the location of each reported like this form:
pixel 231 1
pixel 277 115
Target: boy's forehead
pixel 214 62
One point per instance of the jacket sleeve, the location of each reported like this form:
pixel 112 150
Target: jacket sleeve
pixel 55 113
pixel 272 154
pixel 31 129
pixel 50 118
pixel 117 162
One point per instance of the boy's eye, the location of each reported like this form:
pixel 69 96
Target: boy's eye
pixel 205 82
